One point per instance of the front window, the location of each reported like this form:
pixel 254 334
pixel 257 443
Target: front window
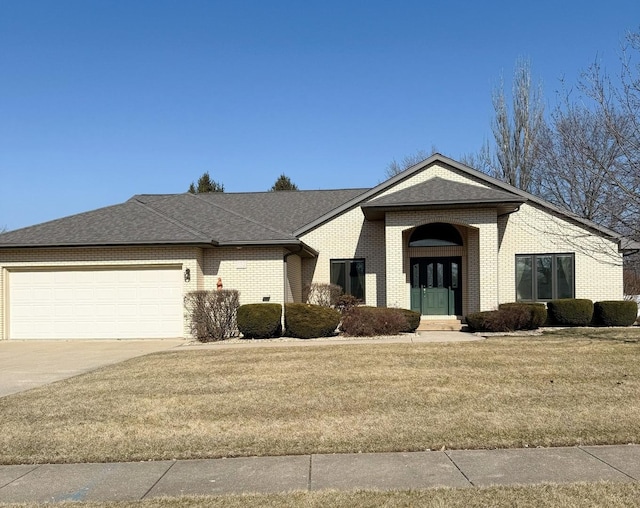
pixel 349 275
pixel 544 277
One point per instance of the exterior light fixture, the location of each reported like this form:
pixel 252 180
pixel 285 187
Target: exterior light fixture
pixel 187 275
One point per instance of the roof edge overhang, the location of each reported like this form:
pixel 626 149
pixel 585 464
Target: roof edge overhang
pixel 289 244
pixel 377 212
pixel 97 245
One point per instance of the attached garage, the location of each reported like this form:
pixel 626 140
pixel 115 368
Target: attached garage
pixel 96 303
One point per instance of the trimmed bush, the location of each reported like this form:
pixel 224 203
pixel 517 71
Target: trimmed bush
pixel 570 312
pixel 307 321
pixel 615 313
pixel 537 313
pixel 508 319
pixel 372 321
pixel 260 320
pixel 212 314
pixel 413 320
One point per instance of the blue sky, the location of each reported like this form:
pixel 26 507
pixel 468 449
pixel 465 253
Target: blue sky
pixel 101 100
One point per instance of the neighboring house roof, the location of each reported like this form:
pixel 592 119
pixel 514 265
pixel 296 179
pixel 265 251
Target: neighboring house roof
pixel 270 218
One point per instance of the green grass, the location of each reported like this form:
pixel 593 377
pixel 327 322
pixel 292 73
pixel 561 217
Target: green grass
pixel 501 392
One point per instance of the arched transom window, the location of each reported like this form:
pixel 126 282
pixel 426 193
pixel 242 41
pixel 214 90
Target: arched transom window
pixel 436 234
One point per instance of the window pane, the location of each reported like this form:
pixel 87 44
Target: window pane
pixel 430 275
pixel 454 275
pixel 564 273
pixel 338 274
pixel 524 286
pixel 440 275
pixel 544 276
pixel 356 279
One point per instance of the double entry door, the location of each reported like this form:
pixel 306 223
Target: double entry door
pixel 436 288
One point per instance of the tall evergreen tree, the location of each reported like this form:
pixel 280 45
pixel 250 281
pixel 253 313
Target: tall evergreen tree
pixel 284 183
pixel 205 184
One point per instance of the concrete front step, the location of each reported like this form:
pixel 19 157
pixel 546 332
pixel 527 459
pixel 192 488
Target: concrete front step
pixel 449 325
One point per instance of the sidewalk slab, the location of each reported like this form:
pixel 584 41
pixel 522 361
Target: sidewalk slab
pixel 235 476
pixel 416 470
pixel 85 482
pixel 625 458
pixel 529 466
pixel 10 474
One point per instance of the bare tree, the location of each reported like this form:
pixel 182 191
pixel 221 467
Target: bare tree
pixel 517 131
pixel 617 104
pixel 514 153
pixel 395 167
pixel 579 156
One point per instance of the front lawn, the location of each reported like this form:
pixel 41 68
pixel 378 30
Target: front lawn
pixel 576 495
pixel 194 403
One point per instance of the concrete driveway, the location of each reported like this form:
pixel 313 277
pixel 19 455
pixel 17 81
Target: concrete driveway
pixel 25 364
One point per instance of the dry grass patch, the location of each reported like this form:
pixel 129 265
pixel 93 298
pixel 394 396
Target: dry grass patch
pixel 578 495
pixel 624 334
pixel 347 398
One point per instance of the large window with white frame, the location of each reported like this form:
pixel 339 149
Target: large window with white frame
pixel 542 277
pixel 349 275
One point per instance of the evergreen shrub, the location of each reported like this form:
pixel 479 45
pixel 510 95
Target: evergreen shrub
pixel 307 321
pixel 260 320
pixel 615 313
pixel 570 312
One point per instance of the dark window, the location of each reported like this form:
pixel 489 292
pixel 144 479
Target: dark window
pixel 437 234
pixel 349 275
pixel 544 277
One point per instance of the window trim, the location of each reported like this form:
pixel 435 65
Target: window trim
pixel 554 270
pixel 347 290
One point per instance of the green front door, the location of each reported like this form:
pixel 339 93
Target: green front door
pixel 435 286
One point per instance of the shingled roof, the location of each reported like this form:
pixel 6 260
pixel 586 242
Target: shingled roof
pixel 215 218
pixel 440 193
pixel 270 218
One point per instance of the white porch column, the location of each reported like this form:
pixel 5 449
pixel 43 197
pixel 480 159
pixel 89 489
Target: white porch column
pixel 397 284
pixel 488 264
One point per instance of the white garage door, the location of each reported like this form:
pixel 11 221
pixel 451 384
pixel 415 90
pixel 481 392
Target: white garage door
pixel 96 304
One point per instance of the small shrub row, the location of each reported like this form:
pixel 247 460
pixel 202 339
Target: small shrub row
pixel 563 312
pixel 582 312
pixel 370 321
pixel 262 320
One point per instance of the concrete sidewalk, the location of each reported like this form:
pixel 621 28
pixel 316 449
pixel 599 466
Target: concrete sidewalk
pixel 382 471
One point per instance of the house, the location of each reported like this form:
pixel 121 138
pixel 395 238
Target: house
pixel 439 238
